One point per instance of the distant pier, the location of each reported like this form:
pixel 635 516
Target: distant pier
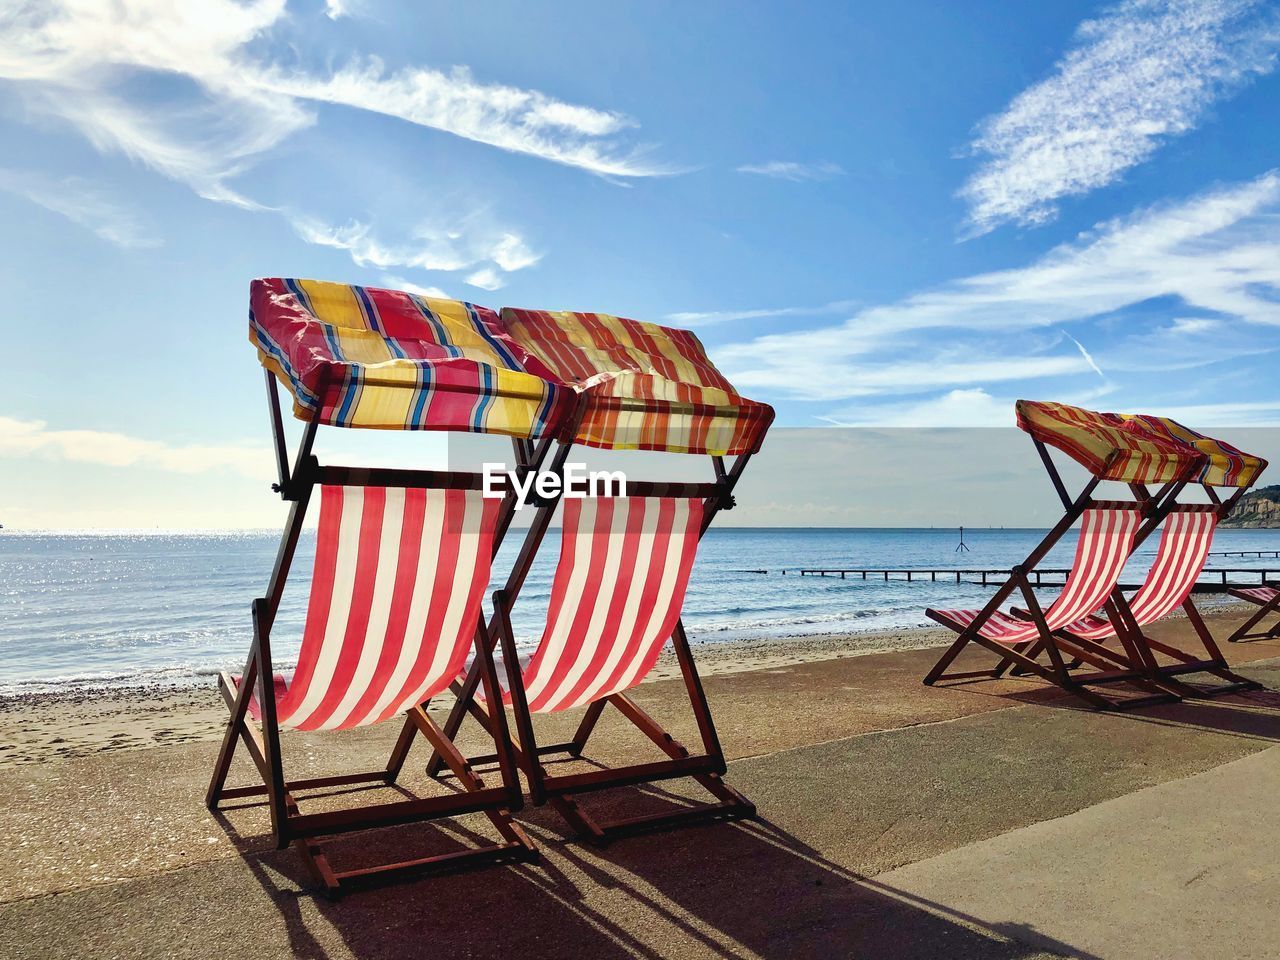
pixel 1211 581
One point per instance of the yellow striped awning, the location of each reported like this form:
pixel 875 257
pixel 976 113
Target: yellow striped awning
pixel 1138 447
pixel 1108 445
pixel 645 386
pixel 390 360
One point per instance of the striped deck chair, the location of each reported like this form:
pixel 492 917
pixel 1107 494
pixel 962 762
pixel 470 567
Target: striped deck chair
pixel 399 577
pixel 1107 533
pixel 1180 558
pixel 1267 599
pixel 616 598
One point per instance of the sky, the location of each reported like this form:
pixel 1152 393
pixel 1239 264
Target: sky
pixel 874 215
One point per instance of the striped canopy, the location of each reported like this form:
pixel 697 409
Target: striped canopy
pixel 1225 465
pixel 1137 448
pixel 1108 445
pixel 646 386
pixel 398 361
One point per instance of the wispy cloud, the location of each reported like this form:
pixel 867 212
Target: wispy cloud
pixel 1218 253
pixel 510 118
pixel 486 278
pixel 1145 71
pixel 35 438
pixel 393 282
pixel 76 60
pixel 795 172
pixel 81 203
pixel 708 317
pixel 964 407
pixel 464 245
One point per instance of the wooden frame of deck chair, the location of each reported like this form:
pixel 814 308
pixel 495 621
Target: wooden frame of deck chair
pixel 1267 599
pixel 1185 542
pixel 402 561
pixel 1106 540
pixel 641 386
pixel 412 551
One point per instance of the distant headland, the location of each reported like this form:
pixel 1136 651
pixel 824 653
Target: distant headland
pixel 1257 509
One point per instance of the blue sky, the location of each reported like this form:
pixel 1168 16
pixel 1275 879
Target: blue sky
pixel 896 214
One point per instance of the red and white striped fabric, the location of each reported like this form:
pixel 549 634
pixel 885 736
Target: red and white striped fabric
pixel 617 593
pixel 395 597
pixel 1184 549
pixel 1106 540
pixel 1259 595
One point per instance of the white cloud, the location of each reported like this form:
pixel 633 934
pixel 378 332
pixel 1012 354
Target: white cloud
pixel 510 118
pixel 486 278
pixel 393 282
pixel 822 377
pixel 34 438
pixel 1261 413
pixel 795 172
pixel 81 203
pixel 710 317
pixel 1145 71
pixel 75 60
pixel 466 244
pixel 1219 253
pixel 966 407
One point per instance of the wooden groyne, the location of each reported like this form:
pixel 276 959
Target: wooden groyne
pixel 1211 581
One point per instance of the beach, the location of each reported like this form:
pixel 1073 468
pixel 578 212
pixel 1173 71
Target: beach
pixel 880 799
pixel 35 727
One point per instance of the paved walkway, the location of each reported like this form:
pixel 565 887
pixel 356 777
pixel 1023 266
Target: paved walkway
pixel 1187 869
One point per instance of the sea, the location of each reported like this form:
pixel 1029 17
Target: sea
pixel 101 610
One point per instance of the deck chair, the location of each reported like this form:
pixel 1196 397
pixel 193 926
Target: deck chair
pixel 402 560
pixel 1107 532
pixel 1180 558
pixel 1111 448
pixel 1267 599
pixel 399 576
pixel 615 601
pixel 640 386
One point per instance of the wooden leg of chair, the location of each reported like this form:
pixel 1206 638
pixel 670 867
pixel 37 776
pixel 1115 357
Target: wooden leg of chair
pixel 953 651
pixel 1031 649
pixel 1242 631
pixel 239 709
pixel 461 767
pixel 588 724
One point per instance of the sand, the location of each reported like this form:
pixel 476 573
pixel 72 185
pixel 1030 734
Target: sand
pixel 41 726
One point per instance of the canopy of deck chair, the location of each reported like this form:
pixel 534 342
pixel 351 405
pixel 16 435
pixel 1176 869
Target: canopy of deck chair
pixel 391 360
pixel 1110 446
pixel 647 387
pixel 1225 465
